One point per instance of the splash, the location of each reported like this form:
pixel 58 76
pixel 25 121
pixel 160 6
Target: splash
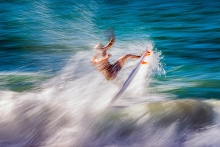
pixel 56 113
pixel 139 86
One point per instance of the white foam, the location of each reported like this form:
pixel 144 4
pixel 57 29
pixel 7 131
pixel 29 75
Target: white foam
pixel 63 110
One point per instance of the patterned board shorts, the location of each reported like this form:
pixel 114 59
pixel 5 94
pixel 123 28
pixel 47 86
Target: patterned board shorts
pixel 113 70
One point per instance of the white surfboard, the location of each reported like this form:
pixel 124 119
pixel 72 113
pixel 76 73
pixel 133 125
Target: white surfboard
pixel 131 76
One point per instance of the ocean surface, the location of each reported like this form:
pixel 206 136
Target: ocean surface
pixel 51 95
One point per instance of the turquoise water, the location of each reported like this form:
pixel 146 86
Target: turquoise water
pixel 41 36
pixel 45 53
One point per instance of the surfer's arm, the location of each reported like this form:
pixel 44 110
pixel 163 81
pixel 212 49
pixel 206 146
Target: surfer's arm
pixel 109 45
pixel 105 58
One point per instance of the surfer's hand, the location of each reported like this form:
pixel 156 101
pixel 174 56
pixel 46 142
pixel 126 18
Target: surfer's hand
pixel 106 57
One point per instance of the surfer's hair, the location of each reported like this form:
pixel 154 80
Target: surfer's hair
pixel 99 47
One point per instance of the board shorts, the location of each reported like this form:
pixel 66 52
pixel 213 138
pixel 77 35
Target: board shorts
pixel 113 70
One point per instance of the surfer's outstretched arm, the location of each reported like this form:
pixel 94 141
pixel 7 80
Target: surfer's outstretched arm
pixel 109 45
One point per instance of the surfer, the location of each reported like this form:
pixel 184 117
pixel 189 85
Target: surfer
pixel 101 63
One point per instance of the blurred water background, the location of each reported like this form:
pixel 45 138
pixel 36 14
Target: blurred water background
pixel 49 91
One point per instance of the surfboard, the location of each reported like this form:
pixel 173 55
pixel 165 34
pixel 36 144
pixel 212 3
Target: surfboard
pixel 131 76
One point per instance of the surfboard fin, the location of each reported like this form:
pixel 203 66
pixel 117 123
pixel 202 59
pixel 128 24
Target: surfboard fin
pixel 143 62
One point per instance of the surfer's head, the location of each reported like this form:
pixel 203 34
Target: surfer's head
pixel 99 47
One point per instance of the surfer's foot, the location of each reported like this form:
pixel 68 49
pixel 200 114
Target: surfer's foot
pixel 143 62
pixel 148 53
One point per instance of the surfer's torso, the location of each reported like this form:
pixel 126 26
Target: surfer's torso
pixel 101 63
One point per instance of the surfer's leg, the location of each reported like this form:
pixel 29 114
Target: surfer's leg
pixel 121 61
pixel 114 69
